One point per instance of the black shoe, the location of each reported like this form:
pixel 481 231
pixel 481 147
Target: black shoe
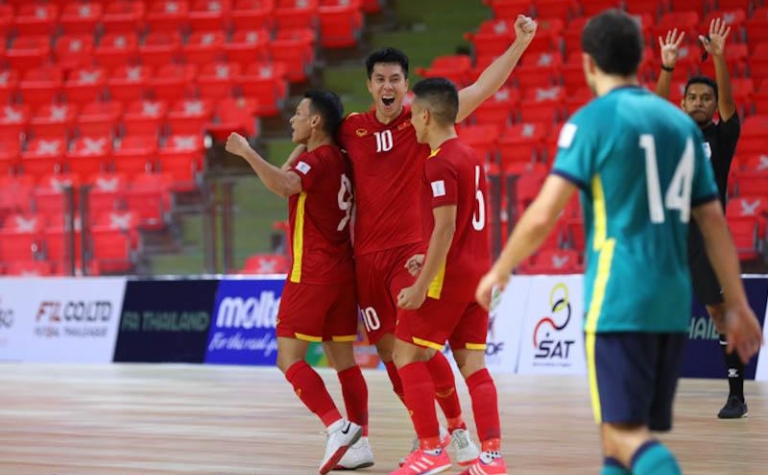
pixel 733 409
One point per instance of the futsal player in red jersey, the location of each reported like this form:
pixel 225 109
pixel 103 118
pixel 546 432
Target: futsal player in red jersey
pixel 387 164
pixel 440 305
pixel 318 301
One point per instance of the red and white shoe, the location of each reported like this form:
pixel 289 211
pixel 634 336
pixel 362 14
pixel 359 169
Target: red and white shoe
pixel 424 463
pixel 489 463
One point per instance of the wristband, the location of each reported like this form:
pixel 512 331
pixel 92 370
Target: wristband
pixel 667 68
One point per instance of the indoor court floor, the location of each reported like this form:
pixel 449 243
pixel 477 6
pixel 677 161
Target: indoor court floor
pixel 216 420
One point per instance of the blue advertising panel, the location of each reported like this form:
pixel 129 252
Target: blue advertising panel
pixel 703 355
pixel 243 322
pixel 165 321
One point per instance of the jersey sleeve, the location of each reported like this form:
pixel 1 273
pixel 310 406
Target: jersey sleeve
pixel 443 180
pixel 704 187
pixel 310 169
pixel 576 152
pixel 346 131
pixel 728 136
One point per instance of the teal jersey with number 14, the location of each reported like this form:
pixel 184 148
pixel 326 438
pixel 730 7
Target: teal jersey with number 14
pixel 640 165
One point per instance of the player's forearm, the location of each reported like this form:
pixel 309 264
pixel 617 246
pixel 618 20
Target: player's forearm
pixel 664 84
pixel 722 255
pixel 490 80
pixel 293 156
pixel 527 236
pixel 437 253
pixel 276 180
pixel 725 103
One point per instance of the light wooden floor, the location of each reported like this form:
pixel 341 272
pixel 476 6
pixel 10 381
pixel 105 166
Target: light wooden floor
pixel 163 419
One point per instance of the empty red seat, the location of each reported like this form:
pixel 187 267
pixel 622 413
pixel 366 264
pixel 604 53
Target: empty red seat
pixel 129 83
pixel 173 82
pixel 247 46
pixel 209 15
pixel 135 155
pixel 81 17
pixel 36 19
pixel 340 24
pixel 160 47
pixel 117 49
pixel 497 110
pixel 557 261
pixel 85 85
pixel 234 115
pixel 107 193
pixel 522 142
pixel 296 14
pixel 265 82
pixel 55 121
pixel 111 248
pixel 16 193
pixel 123 17
pixel 757 27
pixel 294 48
pixel 28 52
pixel 182 157
pixel 216 80
pixel 13 122
pixel 21 237
pixel 145 118
pixel 561 9
pixel 168 15
pixel 252 14
pixel 189 116
pixel 28 268
pixel 89 155
pixel 43 156
pixel 149 197
pixel 204 47
pixel 74 51
pixel 41 86
pixel 745 238
pixel 266 264
pixel 9 82
pixel 483 138
pixel 99 118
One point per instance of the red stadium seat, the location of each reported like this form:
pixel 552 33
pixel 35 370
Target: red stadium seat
pixel 190 116
pixel 522 142
pixel 129 83
pixel 265 83
pixel 89 155
pixel 74 51
pixel 41 86
pixel 123 17
pixel 247 46
pixel 340 24
pixel 497 110
pixel 266 264
pixel 36 19
pixel 216 80
pixel 81 17
pixel 204 47
pixel 160 47
pixel 483 138
pixel 145 118
pixel 173 82
pixel 135 155
pixel 117 49
pixel 85 85
pixel 234 115
pixel 209 15
pixel 296 14
pixel 252 15
pixel 53 121
pixel 9 82
pixel 168 15
pixel 99 118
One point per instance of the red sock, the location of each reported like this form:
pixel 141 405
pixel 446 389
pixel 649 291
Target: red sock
pixel 445 390
pixel 394 376
pixel 485 406
pixel 310 388
pixel 355 393
pixel 420 400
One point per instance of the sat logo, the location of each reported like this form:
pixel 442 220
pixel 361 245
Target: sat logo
pixel 546 333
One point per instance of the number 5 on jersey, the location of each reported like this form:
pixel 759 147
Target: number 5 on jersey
pixel 384 141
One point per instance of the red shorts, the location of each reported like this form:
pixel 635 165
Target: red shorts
pixel 464 325
pixel 312 312
pixel 380 278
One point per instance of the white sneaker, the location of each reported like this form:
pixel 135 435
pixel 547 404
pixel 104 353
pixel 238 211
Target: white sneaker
pixel 466 450
pixel 341 434
pixel 358 456
pixel 445 440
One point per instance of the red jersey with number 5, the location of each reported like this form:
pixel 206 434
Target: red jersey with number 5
pixel 387 163
pixel 455 175
pixel 319 219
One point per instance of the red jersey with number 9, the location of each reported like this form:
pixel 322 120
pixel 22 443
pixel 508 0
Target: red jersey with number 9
pixel 387 163
pixel 455 175
pixel 320 219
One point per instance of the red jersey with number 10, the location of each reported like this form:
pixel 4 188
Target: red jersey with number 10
pixel 319 219
pixel 387 163
pixel 455 175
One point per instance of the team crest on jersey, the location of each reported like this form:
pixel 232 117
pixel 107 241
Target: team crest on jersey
pixel 361 132
pixel 404 125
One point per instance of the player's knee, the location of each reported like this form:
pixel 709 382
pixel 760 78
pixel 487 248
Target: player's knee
pixel 288 355
pixel 343 356
pixel 469 361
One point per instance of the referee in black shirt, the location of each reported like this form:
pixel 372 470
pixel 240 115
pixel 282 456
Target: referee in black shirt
pixel 702 98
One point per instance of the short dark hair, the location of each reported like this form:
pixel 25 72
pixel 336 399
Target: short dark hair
pixel 701 80
pixel 387 56
pixel 613 38
pixel 329 106
pixel 442 97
